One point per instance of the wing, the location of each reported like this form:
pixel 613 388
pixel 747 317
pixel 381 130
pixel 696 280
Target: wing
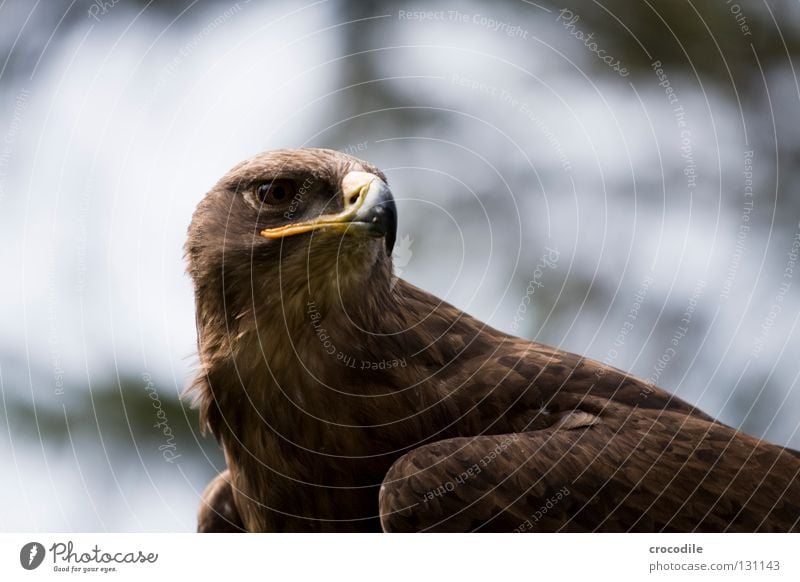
pixel 493 382
pixel 218 513
pixel 647 471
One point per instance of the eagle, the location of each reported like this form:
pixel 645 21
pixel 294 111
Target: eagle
pixel 346 399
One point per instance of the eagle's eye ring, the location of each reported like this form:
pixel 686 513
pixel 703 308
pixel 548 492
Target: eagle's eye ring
pixel 275 192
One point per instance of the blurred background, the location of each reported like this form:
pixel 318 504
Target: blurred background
pixel 649 150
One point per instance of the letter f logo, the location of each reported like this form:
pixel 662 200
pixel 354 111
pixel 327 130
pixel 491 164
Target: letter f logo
pixel 31 555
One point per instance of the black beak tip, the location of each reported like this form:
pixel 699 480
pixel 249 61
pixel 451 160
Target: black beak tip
pixel 387 213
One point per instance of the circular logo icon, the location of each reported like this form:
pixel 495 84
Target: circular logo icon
pixel 31 555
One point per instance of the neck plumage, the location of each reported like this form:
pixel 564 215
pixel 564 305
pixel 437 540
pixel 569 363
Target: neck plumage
pixel 264 350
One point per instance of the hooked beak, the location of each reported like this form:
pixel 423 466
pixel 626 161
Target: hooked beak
pixel 369 210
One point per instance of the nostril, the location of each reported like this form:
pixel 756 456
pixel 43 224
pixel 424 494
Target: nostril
pixel 351 201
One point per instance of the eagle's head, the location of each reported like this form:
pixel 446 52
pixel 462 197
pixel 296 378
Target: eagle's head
pixel 290 224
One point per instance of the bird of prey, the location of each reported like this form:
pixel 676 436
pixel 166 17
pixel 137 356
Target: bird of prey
pixel 347 400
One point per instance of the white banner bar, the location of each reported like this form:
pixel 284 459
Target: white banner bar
pixel 356 557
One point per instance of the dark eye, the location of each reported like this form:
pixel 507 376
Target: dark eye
pixel 275 192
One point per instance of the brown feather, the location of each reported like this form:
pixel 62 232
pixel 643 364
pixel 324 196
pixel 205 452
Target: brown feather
pixel 218 511
pixel 345 441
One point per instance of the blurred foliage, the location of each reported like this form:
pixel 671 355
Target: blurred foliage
pixel 703 37
pixel 121 415
pixel 706 35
